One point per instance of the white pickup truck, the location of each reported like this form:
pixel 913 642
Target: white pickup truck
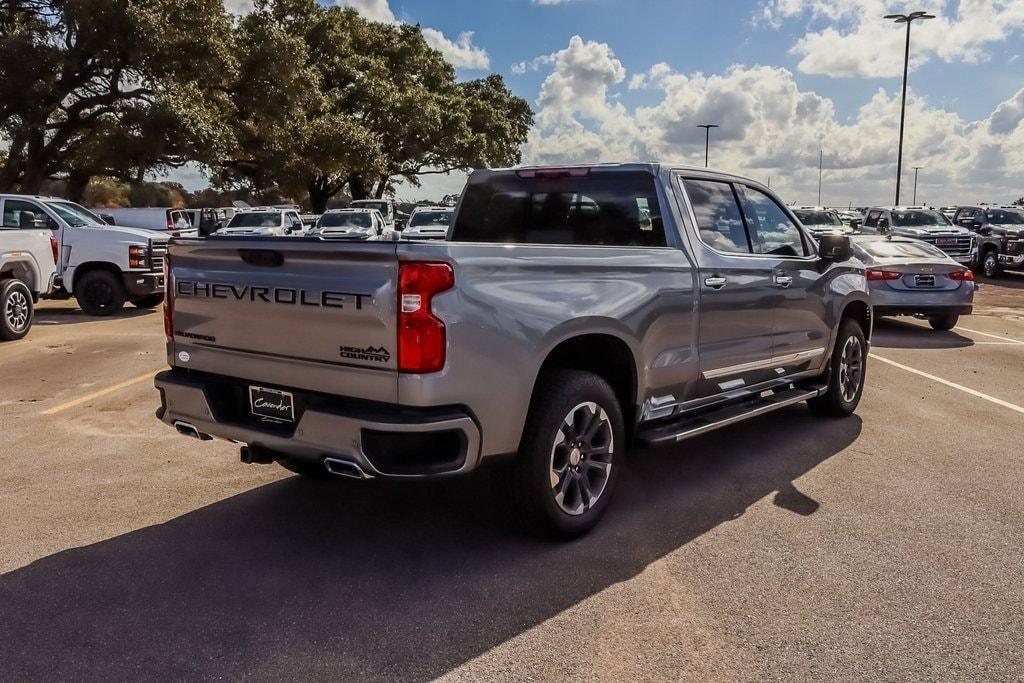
pixel 28 258
pixel 101 265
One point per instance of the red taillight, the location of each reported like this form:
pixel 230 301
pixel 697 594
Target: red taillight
pixel 170 221
pixel 55 248
pixel 879 274
pixel 168 300
pixel 962 275
pixel 421 334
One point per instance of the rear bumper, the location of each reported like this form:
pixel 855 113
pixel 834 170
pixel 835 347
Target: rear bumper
pixel 382 439
pixel 958 309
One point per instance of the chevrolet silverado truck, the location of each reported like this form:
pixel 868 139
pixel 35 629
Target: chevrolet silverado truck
pixel 572 312
pixel 28 258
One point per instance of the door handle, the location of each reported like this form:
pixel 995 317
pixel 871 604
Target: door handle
pixel 715 282
pixel 783 280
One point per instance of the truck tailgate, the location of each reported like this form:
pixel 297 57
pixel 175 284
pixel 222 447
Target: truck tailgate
pixel 291 312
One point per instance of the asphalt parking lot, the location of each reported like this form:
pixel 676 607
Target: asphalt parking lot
pixel 883 546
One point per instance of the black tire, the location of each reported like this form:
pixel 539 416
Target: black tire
pixel 16 310
pixel 148 301
pixel 989 264
pixel 100 292
pixel 844 390
pixel 943 323
pixel 589 453
pixel 306 468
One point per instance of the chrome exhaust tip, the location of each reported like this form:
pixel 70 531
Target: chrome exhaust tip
pixel 189 429
pixel 344 468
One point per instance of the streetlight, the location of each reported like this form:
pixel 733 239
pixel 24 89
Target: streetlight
pixel 707 138
pixel 916 169
pixel 907 19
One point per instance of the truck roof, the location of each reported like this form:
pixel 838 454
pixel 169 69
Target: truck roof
pixel 652 167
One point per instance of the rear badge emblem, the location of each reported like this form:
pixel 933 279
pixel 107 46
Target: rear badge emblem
pixel 184 357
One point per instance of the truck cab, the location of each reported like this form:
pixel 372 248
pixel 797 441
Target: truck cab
pixel 1000 235
pixel 101 265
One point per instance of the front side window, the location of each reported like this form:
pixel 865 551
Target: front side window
pixel 872 220
pixel 599 209
pixel 771 229
pixel 718 215
pixel 15 208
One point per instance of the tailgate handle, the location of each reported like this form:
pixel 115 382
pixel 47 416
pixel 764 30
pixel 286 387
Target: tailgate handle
pixel 263 258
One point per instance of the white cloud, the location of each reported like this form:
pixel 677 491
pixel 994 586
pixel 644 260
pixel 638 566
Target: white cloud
pixel 460 52
pixel 849 38
pixel 770 127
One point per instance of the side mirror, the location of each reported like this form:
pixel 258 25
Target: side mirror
pixel 835 248
pixel 108 219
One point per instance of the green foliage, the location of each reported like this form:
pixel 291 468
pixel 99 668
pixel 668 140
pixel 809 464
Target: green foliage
pixel 90 87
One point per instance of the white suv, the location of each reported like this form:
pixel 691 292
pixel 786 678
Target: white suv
pixel 101 265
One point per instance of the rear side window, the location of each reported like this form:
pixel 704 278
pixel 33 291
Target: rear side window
pixel 771 229
pixel 718 215
pixel 13 210
pixel 598 209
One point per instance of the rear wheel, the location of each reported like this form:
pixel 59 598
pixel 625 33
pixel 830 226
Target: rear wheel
pixel 943 322
pixel 148 301
pixel 571 453
pixel 990 263
pixel 16 310
pixel 100 292
pixel 847 370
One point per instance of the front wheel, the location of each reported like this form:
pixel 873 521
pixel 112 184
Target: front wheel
pixel 100 292
pixel 990 263
pixel 16 310
pixel 943 323
pixel 847 370
pixel 571 453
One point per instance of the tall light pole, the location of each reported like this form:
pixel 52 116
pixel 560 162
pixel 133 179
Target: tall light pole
pixel 820 153
pixel 916 169
pixel 907 19
pixel 707 138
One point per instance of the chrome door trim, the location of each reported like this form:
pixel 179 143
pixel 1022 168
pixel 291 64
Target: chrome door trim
pixel 764 363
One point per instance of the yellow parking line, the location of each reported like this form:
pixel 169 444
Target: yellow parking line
pixel 989 334
pixel 954 385
pixel 100 392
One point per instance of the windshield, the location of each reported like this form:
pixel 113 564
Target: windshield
pixel 1001 217
pixel 919 219
pixel 346 220
pixel 383 207
pixel 74 215
pixel 255 220
pixel 817 217
pixel 430 218
pixel 897 250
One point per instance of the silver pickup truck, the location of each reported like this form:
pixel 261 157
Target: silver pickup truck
pixel 572 312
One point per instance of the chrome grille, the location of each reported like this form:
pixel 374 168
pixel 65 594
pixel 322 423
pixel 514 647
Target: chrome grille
pixel 157 251
pixel 963 247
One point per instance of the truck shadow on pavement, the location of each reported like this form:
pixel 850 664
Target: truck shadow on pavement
pixel 75 316
pixel 892 333
pixel 306 579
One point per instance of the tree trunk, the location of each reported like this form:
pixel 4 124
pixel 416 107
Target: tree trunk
pixel 318 195
pixel 357 187
pixel 382 185
pixel 77 182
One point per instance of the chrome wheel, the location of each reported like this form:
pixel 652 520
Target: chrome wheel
pixel 851 368
pixel 16 311
pixel 581 458
pixel 990 264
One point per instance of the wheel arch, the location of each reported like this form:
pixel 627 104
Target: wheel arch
pixel 83 269
pixel 860 311
pixel 24 270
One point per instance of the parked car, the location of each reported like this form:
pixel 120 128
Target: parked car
pixel 101 265
pixel 262 222
pixel 927 225
pixel 911 277
pixel 948 211
pixel 671 302
pixel 385 206
pixel 821 221
pixel 429 223
pixel 28 271
pixel 360 223
pixel 176 222
pixel 1000 235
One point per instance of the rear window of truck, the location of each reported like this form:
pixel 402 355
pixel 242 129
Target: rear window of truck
pixel 598 209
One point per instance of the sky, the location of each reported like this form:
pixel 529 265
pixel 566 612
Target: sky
pixel 630 80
